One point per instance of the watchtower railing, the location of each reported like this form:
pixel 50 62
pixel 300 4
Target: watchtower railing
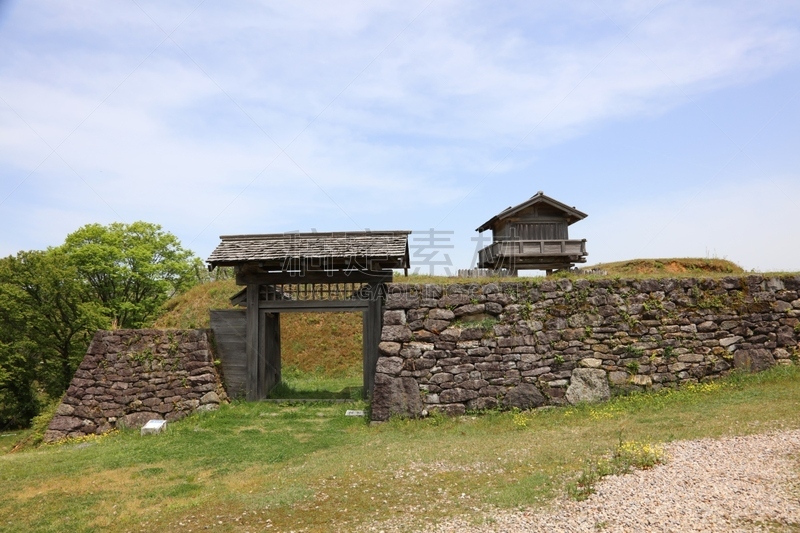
pixel 531 249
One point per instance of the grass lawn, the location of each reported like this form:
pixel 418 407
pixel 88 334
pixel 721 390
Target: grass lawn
pixel 295 384
pixel 9 438
pixel 307 467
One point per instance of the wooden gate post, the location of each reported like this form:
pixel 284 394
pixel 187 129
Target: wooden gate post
pixel 373 323
pixel 272 345
pixel 252 348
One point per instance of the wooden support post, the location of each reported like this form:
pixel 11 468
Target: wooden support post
pixel 261 370
pixel 272 336
pixel 252 342
pixel 366 343
pixel 373 323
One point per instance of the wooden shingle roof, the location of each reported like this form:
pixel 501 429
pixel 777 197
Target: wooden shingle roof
pixel 390 248
pixel 573 214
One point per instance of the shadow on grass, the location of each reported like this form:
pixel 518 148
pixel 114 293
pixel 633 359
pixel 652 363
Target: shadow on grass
pixel 298 385
pixel 286 391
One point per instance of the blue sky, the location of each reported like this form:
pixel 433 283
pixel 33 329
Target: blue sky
pixel 672 124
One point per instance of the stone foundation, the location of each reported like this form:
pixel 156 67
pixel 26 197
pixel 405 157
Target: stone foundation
pixel 131 376
pixel 526 344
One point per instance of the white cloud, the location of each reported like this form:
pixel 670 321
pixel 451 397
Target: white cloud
pixel 398 131
pixel 749 223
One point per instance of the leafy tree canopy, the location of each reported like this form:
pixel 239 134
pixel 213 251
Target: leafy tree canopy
pixel 132 268
pixel 52 302
pixel 47 317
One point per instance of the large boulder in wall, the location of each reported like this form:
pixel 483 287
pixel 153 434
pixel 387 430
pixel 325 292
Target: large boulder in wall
pixel 395 396
pixel 754 360
pixel 524 396
pixel 588 385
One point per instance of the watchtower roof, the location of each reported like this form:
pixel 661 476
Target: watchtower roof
pixel 572 214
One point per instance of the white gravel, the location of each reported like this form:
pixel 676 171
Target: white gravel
pixel 727 485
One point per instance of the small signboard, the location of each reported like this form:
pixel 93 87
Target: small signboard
pixel 354 412
pixel 154 427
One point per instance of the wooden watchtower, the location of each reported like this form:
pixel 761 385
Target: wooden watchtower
pixel 533 235
pixel 299 272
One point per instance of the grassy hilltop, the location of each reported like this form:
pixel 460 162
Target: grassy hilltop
pixel 321 344
pixel 676 267
pixel 308 467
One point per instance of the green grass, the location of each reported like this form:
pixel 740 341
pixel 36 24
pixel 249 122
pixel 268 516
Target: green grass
pixel 423 279
pixel 9 438
pixel 189 310
pixel 671 267
pixel 296 384
pixel 308 467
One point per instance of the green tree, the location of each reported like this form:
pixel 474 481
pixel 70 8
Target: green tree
pixel 132 269
pixel 18 398
pixel 47 317
pixel 53 301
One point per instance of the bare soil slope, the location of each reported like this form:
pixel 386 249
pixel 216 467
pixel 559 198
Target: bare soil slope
pixel 326 343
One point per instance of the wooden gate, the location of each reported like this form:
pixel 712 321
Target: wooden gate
pixel 250 352
pixel 301 272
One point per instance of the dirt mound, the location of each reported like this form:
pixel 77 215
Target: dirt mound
pixel 655 267
pixel 190 309
pixel 327 343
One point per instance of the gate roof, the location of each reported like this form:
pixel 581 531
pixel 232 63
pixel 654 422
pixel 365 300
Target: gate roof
pixel 383 249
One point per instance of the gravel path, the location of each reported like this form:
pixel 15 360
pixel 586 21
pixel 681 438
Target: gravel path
pixel 728 485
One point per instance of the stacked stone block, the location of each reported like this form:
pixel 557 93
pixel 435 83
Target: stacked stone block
pixel 527 344
pixel 131 376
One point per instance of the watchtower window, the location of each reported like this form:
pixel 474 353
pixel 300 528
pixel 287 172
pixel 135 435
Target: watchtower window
pixel 541 231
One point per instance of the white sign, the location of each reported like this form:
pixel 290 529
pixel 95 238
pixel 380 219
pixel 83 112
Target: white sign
pixel 153 427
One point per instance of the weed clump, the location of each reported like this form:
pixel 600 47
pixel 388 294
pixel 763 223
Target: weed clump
pixel 625 456
pixel 38 427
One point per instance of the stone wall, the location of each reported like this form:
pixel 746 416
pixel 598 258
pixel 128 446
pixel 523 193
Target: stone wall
pixel 131 376
pixel 527 344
